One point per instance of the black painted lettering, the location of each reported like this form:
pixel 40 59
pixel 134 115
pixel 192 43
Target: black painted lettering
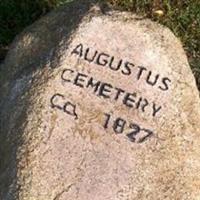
pixel 127 68
pixel 93 84
pixel 92 57
pixel 108 116
pixel 119 91
pixel 156 109
pixel 78 50
pixel 166 81
pixel 141 70
pixel 79 80
pixel 102 59
pixel 70 109
pixel 137 134
pixel 118 125
pixel 135 130
pixel 138 103
pixel 63 74
pixel 147 133
pixel 117 67
pixel 152 81
pixel 53 100
pixel 129 99
pixel 105 90
pixel 146 103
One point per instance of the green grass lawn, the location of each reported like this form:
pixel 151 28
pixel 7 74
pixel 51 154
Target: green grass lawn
pixel 181 16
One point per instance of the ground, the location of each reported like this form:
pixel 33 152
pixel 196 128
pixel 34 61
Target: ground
pixel 182 17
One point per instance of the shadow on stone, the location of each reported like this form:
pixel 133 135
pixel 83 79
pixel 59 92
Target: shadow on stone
pixel 34 48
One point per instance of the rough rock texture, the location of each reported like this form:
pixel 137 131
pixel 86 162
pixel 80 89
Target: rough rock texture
pixel 98 105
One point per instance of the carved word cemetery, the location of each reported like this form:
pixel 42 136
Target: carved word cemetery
pixel 98 105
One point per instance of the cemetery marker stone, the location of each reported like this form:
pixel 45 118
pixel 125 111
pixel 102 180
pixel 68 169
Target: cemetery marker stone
pixel 109 112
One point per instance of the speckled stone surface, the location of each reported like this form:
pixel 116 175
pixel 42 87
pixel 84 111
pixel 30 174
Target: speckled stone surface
pixel 104 109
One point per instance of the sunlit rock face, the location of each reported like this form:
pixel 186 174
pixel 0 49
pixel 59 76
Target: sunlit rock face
pixel 102 106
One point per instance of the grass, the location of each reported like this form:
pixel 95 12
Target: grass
pixel 17 14
pixel 182 17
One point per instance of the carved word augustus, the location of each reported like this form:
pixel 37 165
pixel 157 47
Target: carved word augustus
pixel 125 67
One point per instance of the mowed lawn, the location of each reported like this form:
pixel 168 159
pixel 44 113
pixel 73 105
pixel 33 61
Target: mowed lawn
pixel 181 16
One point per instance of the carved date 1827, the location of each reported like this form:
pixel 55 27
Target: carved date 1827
pixel 133 131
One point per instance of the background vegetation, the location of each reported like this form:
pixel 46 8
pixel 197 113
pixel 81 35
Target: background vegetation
pixel 181 16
